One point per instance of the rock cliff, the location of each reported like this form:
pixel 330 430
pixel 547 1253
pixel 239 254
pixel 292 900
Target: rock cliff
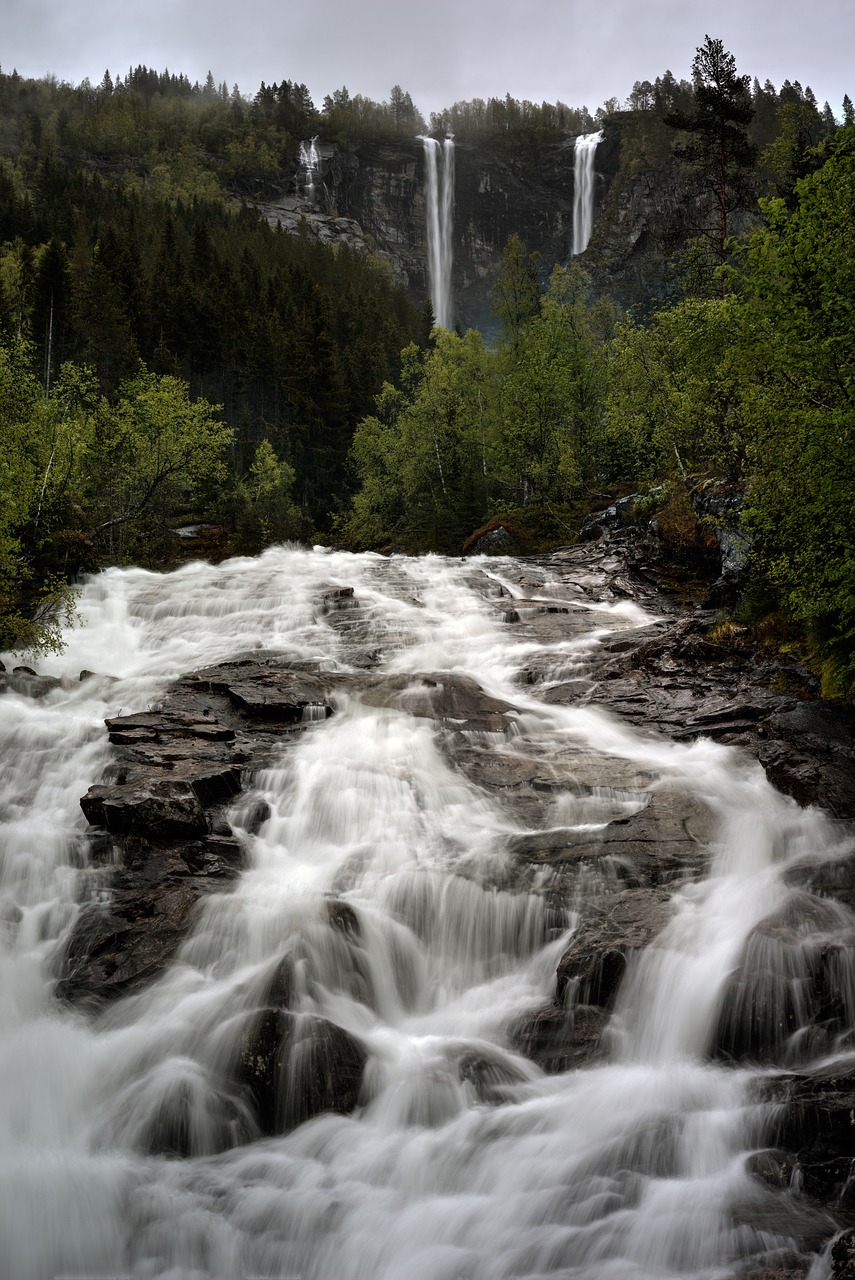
pixel 371 196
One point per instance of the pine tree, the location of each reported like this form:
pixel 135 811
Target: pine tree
pixel 718 152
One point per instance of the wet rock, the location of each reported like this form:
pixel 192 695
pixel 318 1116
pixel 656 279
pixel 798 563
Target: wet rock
pixel 816 1126
pixel 295 1066
pixel 612 930
pixel 263 691
pixel 789 1000
pixel 650 847
pixel 455 701
pixel 121 945
pixel 843 1256
pixel 161 810
pixel 772 1167
pixel 808 751
pixel 559 1039
pixel 26 681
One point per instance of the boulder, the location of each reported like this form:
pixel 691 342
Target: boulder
pixel 294 1066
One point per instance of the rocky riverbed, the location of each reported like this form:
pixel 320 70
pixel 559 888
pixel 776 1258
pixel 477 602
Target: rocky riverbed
pixel 170 822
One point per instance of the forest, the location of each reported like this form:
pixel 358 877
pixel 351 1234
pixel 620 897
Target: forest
pixel 166 356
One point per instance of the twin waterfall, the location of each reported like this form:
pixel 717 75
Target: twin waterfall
pixel 583 189
pixel 439 213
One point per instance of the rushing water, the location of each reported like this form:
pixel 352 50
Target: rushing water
pixel 309 165
pixel 439 225
pixel 633 1169
pixel 583 188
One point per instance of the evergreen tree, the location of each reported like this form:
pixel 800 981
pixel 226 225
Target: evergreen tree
pixel 717 150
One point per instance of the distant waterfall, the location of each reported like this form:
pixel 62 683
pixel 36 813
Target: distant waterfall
pixel 583 189
pixel 309 164
pixel 439 212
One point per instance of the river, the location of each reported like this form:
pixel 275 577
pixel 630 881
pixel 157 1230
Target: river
pixel 633 1167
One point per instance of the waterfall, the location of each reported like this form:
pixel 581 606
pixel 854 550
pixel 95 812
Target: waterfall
pixel 583 189
pixel 439 216
pixel 309 165
pixel 405 810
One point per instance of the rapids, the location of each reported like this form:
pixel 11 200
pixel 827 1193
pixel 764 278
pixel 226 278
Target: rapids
pixel 632 1168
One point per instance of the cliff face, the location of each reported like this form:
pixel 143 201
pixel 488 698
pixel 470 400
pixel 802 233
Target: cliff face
pixel 372 196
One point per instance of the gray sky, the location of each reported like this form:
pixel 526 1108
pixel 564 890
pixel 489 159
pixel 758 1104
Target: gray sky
pixel 441 51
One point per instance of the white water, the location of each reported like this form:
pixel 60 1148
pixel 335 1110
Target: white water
pixel 583 189
pixel 309 164
pixel 630 1170
pixel 439 225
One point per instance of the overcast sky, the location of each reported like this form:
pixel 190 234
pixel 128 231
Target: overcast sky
pixel 441 51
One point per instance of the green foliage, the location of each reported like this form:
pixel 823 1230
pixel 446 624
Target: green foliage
pixel 75 467
pixel 427 458
pixel 266 512
pixel 152 448
pixel 674 397
pixel 801 399
pixel 553 380
pixel 469 432
pixel 717 149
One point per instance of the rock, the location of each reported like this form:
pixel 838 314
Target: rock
pixel 816 1126
pixel 808 751
pixel 560 1039
pixel 264 691
pixel 613 929
pixel 660 842
pixel 295 1066
pixel 121 945
pixel 493 539
pixel 26 681
pixel 161 810
pixel 843 1256
pixel 455 701
pixel 787 999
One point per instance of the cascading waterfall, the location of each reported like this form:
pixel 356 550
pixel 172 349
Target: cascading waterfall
pixel 439 215
pixel 462 1158
pixel 309 165
pixel 583 189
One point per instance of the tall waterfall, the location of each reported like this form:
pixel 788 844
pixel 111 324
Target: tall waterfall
pixel 406 814
pixel 309 165
pixel 439 214
pixel 583 189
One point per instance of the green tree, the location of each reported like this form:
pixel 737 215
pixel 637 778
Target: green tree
pixel 153 448
pixel 516 293
pixel 674 397
pixel 797 368
pixel 427 459
pixel 552 385
pixel 717 151
pixel 266 510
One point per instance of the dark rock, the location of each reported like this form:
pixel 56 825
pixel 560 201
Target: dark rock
pixel 495 539
pixel 263 691
pixel 651 847
pixel 454 700
pixel 772 1167
pixel 617 926
pixel 808 751
pixel 26 681
pixel 843 1256
pixel 161 811
pixel 295 1066
pixel 560 1039
pixel 786 1000
pixel 817 1126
